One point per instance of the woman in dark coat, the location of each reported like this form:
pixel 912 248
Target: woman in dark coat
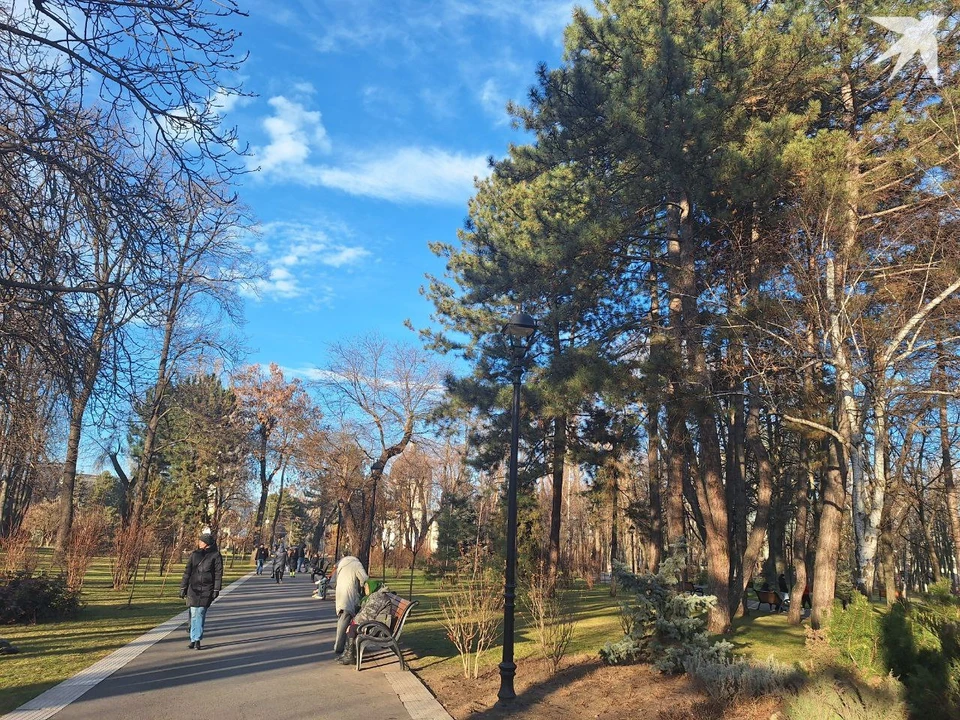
pixel 279 562
pixel 201 583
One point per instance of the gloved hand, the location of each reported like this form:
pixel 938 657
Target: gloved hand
pixel 183 593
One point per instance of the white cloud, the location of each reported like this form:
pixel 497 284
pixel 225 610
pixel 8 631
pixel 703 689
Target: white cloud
pixel 295 255
pixel 309 373
pixel 304 88
pixel 384 102
pixel 494 101
pixel 279 283
pixel 545 18
pixel 440 103
pixel 294 133
pixel 224 102
pixel 408 174
pixel 368 23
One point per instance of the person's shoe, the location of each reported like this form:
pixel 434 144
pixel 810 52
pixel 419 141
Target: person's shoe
pixel 193 644
pixel 197 646
pixel 349 656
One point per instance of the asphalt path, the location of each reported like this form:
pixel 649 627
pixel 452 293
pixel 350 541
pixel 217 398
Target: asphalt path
pixel 267 653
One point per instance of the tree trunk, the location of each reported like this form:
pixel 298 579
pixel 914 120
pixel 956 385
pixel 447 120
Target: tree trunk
pixel 264 490
pixel 376 473
pixel 828 540
pixel 676 470
pixel 614 481
pixel 946 465
pixel 709 481
pixel 559 464
pixel 141 478
pixel 654 537
pixel 801 497
pixel 765 475
pixel 68 478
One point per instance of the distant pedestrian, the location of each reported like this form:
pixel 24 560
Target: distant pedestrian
pixel 279 562
pixel 262 555
pixel 348 579
pixel 783 587
pixel 201 583
pixel 292 560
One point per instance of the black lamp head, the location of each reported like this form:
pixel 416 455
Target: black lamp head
pixel 520 325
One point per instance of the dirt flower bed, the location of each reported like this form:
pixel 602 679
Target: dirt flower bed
pixel 586 688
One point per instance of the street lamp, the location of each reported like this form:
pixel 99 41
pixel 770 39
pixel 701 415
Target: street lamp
pixel 519 331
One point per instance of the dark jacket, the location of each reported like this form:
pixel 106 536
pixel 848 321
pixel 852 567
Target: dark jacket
pixel 279 558
pixel 202 577
pixel 262 554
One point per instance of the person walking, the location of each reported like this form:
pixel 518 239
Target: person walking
pixel 279 562
pixel 293 559
pixel 348 578
pixel 201 583
pixel 262 555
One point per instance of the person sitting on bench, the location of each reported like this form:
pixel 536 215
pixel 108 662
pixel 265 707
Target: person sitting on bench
pixel 375 603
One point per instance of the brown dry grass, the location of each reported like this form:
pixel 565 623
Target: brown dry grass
pixel 586 688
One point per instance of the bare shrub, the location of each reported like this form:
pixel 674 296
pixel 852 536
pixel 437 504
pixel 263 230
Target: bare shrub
pixel 42 522
pixel 18 553
pixel 127 549
pixel 471 613
pixel 85 541
pixel 551 616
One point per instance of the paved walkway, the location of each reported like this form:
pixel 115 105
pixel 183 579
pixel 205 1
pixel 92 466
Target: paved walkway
pixel 267 653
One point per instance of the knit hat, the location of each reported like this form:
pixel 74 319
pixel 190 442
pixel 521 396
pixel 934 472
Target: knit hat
pixel 207 539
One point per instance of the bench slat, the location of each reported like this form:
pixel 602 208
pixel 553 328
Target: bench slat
pixel 401 611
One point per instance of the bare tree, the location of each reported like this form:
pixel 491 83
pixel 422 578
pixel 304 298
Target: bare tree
pixel 279 412
pixel 386 390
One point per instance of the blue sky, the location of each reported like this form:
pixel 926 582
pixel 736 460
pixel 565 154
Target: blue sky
pixel 370 121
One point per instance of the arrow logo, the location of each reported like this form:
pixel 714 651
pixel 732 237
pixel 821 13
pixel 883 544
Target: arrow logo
pixel 918 37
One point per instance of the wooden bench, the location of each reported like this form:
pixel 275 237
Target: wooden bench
pixel 772 598
pixel 383 636
pixel 688 587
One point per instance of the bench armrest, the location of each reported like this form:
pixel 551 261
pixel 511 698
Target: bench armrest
pixel 373 628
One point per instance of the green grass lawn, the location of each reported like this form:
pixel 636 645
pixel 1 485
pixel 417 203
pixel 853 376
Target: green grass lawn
pixel 53 652
pixel 761 636
pixel 597 616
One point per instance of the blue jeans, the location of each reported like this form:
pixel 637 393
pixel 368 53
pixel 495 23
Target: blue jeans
pixel 197 616
pixel 259 567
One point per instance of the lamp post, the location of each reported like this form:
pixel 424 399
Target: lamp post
pixel 519 331
pixel 633 550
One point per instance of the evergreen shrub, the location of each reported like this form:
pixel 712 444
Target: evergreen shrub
pixel 29 599
pixel 844 698
pixel 855 632
pixel 921 644
pixel 666 627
